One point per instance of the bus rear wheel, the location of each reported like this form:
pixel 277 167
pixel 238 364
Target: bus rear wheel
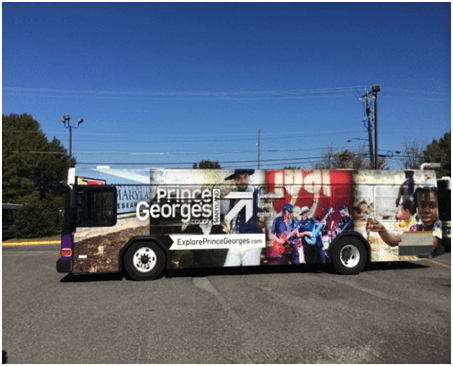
pixel 144 261
pixel 349 256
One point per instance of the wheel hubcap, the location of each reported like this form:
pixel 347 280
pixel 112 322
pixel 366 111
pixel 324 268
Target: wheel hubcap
pixel 350 256
pixel 145 259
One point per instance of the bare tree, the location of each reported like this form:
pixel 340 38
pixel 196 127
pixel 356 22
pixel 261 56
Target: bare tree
pixel 345 159
pixel 413 154
pixel 328 159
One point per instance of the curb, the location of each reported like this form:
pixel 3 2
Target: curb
pixel 14 244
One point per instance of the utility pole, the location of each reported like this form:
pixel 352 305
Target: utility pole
pixel 259 149
pixel 374 90
pixel 370 138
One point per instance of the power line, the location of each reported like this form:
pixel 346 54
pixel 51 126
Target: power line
pixel 429 92
pixel 301 159
pixel 335 150
pixel 333 92
pixel 191 162
pixel 271 135
pixel 196 152
pixel 227 95
pixel 293 135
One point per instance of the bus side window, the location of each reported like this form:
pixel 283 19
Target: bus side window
pixel 96 206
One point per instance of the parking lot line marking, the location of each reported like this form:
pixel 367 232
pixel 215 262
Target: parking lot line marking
pixel 440 264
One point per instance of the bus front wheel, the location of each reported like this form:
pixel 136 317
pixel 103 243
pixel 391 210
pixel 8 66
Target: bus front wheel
pixel 144 261
pixel 349 256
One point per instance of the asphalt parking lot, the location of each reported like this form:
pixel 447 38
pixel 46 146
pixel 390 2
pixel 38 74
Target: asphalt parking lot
pixel 393 313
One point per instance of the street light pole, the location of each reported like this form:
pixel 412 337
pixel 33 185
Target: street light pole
pixel 65 119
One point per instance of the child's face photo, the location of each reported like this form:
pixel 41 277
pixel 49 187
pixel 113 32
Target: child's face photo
pixel 428 209
pixel 403 214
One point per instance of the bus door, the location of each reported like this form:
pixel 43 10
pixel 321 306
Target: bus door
pixel 90 207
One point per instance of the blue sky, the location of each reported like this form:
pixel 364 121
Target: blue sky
pixel 170 83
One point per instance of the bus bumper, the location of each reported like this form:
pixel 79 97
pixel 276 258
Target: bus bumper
pixel 63 266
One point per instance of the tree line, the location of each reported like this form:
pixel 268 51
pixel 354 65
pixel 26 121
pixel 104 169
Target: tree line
pixel 32 171
pixel 414 154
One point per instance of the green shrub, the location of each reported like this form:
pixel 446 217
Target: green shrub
pixel 38 218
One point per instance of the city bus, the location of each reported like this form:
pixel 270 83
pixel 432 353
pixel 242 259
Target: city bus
pixel 8 212
pixel 147 222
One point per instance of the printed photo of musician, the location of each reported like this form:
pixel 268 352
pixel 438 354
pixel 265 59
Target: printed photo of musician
pixel 243 256
pixel 346 222
pixel 284 233
pixel 313 244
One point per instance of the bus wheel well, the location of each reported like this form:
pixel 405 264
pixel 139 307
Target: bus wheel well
pixel 143 258
pixel 350 253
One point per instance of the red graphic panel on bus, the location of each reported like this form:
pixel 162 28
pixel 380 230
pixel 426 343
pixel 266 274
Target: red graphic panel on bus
pixel 319 190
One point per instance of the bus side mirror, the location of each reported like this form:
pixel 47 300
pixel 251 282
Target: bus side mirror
pixel 96 206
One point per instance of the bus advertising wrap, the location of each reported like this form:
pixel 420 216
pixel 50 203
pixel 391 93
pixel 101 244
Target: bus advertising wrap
pixel 247 217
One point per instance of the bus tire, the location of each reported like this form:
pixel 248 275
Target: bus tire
pixel 349 255
pixel 144 261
